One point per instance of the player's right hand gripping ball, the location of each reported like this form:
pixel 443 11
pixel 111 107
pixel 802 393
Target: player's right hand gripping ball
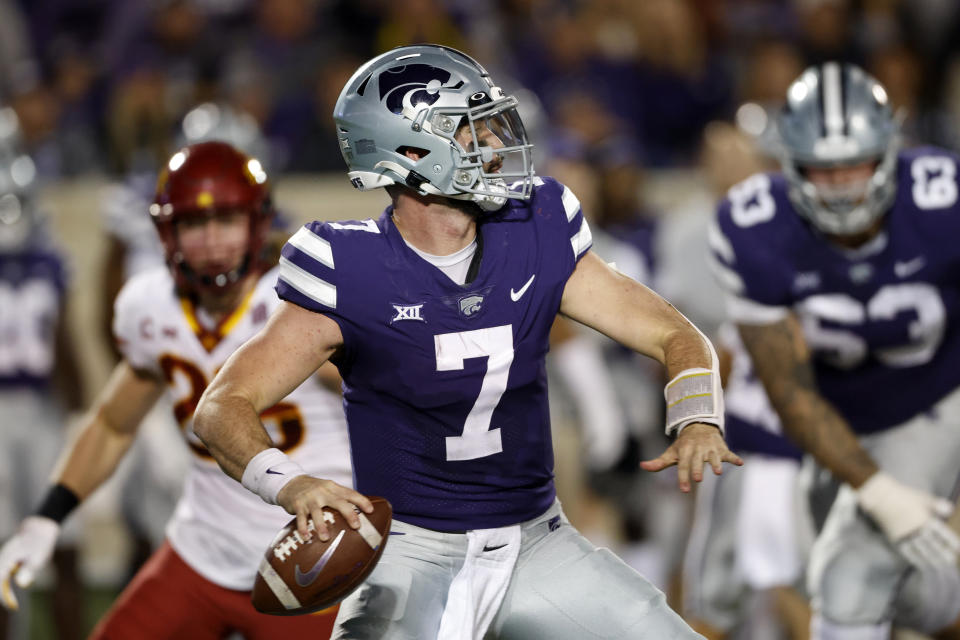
pixel 302 576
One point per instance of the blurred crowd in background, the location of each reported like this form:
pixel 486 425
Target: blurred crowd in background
pixel 99 85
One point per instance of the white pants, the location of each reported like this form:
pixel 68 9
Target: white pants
pixel 562 588
pixel 856 576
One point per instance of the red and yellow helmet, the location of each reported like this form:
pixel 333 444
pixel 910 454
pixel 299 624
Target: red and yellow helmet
pixel 204 180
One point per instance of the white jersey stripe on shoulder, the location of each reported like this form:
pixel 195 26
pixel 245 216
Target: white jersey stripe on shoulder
pixel 570 203
pixel 277 585
pixel 308 284
pixel 719 243
pixel 582 239
pixel 729 279
pixel 313 245
pixel 370 226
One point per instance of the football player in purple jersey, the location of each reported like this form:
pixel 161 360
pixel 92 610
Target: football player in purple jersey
pixel 39 381
pixel 437 315
pixel 841 274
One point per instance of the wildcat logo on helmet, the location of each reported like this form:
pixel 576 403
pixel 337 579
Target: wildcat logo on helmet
pixel 411 85
pixel 435 99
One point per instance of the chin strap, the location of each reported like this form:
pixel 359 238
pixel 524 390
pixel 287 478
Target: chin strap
pixel 486 201
pixel 411 178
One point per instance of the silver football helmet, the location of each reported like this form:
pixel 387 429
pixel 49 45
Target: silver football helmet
pixel 18 177
pixel 212 121
pixel 837 115
pixel 420 97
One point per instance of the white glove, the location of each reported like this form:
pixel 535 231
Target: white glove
pixel 913 520
pixel 24 554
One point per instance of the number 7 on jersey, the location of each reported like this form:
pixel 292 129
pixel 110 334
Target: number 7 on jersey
pixel 496 344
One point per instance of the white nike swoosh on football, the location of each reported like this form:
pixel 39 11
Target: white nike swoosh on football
pixel 306 579
pixel 516 295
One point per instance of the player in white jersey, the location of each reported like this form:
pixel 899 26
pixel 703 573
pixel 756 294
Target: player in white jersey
pixel 150 490
pixel 175 329
pixel 147 490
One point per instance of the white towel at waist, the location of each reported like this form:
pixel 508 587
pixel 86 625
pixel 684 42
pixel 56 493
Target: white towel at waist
pixel 478 588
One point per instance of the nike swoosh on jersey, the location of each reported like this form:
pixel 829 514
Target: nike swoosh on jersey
pixel 516 295
pixel 909 267
pixel 501 546
pixel 306 579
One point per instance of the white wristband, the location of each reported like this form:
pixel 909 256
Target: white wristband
pixel 694 395
pixel 268 472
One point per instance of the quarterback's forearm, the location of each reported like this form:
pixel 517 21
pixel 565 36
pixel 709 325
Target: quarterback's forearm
pixel 289 349
pixel 685 347
pixel 782 362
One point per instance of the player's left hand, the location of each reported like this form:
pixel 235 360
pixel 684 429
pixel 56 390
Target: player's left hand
pixel 913 520
pixel 697 444
pixel 23 555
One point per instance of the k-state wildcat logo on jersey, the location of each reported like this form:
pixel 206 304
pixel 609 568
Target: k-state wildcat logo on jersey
pixel 471 304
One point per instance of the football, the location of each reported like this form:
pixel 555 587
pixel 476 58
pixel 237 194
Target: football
pixel 299 576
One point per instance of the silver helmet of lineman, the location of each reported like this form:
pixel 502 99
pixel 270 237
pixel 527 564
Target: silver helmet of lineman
pixel 419 97
pixel 18 217
pixel 214 121
pixel 837 115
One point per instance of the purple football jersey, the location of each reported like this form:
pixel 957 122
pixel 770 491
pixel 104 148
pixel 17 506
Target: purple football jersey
pixel 32 285
pixel 444 385
pixel 881 321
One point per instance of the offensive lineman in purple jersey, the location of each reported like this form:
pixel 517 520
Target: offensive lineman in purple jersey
pixel 39 376
pixel 842 275
pixel 437 315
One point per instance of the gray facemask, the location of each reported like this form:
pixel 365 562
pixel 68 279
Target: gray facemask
pixel 838 115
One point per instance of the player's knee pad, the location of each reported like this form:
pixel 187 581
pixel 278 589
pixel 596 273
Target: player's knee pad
pixel 929 600
pixel 824 629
